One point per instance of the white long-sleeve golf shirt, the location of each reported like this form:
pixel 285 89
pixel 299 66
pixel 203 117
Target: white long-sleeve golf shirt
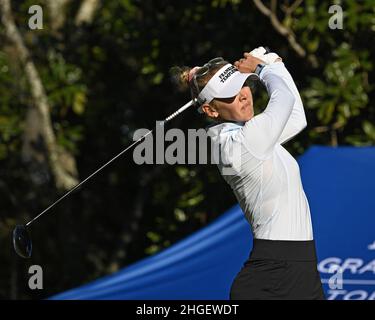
pixel 266 179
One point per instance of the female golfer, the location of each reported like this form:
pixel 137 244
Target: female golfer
pixel 263 175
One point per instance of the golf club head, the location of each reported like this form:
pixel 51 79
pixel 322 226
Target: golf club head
pixel 22 241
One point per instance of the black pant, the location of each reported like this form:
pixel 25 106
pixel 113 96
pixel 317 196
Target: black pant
pixel 279 270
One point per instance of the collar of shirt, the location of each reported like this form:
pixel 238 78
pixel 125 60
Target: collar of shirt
pixel 224 127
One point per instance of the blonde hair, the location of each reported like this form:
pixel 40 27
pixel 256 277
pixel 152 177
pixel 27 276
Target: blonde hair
pixel 180 77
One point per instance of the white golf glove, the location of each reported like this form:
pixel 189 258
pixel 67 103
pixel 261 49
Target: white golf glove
pixel 268 58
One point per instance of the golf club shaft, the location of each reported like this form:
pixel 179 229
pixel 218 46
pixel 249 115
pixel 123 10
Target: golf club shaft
pixel 90 176
pixel 173 115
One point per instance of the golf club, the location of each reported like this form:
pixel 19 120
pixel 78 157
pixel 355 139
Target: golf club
pixel 22 242
pixel 21 237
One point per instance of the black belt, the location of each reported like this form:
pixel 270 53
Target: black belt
pixel 283 250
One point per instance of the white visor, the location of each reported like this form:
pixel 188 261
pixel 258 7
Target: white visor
pixel 226 83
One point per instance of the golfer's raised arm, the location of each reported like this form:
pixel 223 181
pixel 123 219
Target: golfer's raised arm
pixel 297 120
pixel 263 131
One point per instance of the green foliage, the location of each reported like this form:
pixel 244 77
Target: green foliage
pixel 67 96
pixel 342 91
pixel 339 93
pixel 63 86
pixel 10 113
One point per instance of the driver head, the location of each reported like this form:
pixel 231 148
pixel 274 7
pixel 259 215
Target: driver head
pixel 22 241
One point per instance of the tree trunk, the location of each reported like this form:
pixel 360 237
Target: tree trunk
pixel 86 12
pixel 63 179
pixel 57 13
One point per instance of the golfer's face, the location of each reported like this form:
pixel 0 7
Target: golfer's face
pixel 237 108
